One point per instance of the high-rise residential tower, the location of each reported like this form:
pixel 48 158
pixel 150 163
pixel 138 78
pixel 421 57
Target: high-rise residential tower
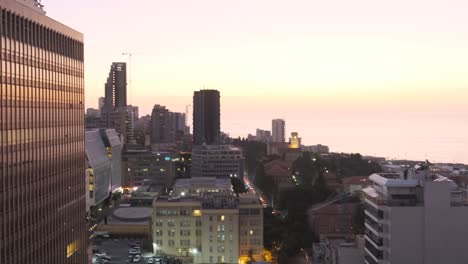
pixel 162 125
pixel 116 87
pixel 206 117
pixel 278 130
pixel 42 158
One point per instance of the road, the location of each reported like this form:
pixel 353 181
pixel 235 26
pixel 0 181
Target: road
pixel 251 186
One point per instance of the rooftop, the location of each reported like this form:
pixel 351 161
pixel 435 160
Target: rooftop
pixel 203 182
pixel 216 148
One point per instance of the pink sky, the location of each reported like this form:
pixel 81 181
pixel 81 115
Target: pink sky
pixel 380 77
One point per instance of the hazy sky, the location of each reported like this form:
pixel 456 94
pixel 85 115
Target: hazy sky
pixel 379 77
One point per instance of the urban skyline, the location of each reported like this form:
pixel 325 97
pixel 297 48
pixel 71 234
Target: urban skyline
pixel 405 72
pixel 356 170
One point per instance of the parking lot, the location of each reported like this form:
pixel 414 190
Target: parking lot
pixel 117 249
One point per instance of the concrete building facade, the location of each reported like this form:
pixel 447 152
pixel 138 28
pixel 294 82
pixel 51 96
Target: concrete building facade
pixel 278 130
pixel 162 125
pixel 217 161
pixel 210 227
pixel 415 217
pixel 99 167
pixel 144 167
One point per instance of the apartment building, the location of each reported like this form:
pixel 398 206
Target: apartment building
pixel 217 161
pixel 211 226
pixel 415 217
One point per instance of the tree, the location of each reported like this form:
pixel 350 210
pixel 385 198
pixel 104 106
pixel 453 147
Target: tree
pixel 253 152
pixel 264 182
pixel 238 185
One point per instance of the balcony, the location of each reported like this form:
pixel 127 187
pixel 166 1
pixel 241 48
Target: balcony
pixel 377 253
pixel 370 260
pixel 375 225
pixel 376 213
pixel 375 239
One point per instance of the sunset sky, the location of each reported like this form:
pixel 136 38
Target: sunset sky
pixel 386 78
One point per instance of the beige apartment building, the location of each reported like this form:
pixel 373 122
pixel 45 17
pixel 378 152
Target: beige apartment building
pixel 209 227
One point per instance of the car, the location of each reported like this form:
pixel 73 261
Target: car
pixel 102 254
pixel 136 259
pixel 134 251
pixel 151 261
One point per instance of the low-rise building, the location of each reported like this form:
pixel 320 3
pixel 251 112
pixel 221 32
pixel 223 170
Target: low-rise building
pixel 143 167
pixel 415 217
pixel 99 168
pixel 217 161
pixel 321 149
pixel 334 219
pixel 201 185
pixel 281 172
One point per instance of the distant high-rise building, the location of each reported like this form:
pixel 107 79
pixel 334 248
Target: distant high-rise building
pixel 263 136
pixel 162 125
pixel 415 210
pixel 179 122
pixel 42 156
pixel 206 117
pixel 91 112
pixel 115 112
pixel 278 130
pixel 116 87
pixel 135 112
pixel 101 103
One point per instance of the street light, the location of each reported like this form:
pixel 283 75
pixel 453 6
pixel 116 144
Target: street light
pixel 195 254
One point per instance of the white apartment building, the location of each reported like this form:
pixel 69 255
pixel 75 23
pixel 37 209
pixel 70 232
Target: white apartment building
pixel 415 217
pixel 217 161
pixel 201 185
pixel 278 130
pixel 209 227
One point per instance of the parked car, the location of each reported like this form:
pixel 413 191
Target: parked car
pixel 136 259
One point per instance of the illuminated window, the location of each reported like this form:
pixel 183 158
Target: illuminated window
pixel 197 213
pixel 72 248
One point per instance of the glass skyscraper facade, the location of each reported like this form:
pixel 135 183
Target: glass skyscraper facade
pixel 42 159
